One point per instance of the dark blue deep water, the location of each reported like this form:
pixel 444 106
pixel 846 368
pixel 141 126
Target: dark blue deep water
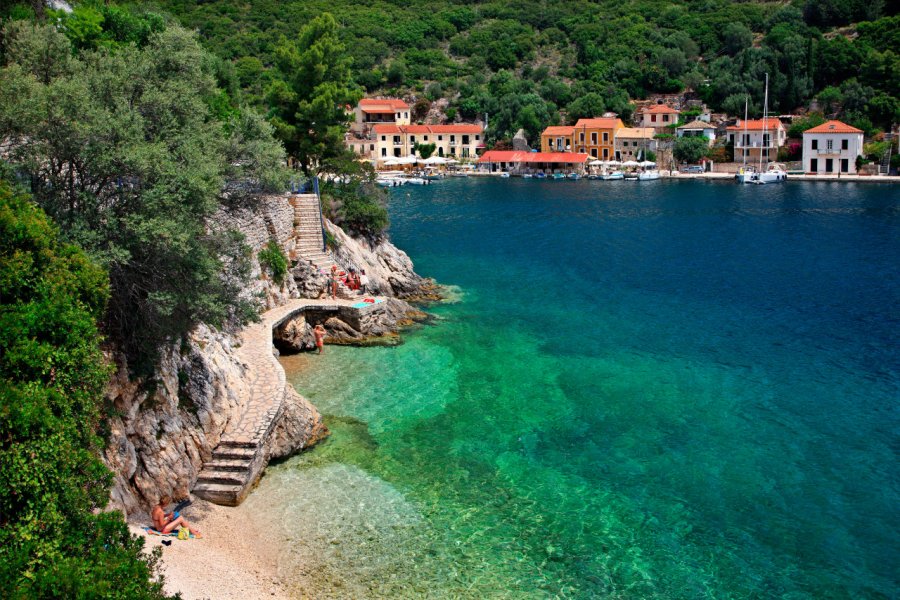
pixel 646 390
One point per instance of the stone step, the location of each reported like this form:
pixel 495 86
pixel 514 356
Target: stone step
pixel 233 465
pixel 218 493
pixel 221 453
pixel 222 477
pixel 239 443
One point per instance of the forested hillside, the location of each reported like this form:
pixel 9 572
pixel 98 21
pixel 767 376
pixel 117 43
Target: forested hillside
pixel 532 63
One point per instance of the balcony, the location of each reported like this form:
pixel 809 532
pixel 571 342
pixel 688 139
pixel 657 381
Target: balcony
pixel 831 151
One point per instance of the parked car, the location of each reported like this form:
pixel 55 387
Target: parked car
pixel 693 169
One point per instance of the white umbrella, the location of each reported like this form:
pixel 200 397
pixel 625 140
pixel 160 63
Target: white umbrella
pixel 391 162
pixel 613 162
pixel 631 163
pixel 594 163
pixel 451 161
pixel 435 160
pixel 647 163
pixel 407 160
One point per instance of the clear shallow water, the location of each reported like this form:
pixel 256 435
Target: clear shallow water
pixel 655 390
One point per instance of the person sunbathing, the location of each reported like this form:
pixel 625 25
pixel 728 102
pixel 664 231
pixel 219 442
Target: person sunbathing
pixel 168 522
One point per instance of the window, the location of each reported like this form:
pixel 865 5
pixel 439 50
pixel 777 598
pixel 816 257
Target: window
pixel 465 140
pixel 845 165
pixel 440 138
pixel 371 147
pixel 766 141
pixel 665 118
pixel 815 144
pixel 594 152
pixel 594 138
pixel 396 140
pixel 581 137
pixel 452 139
pixel 845 144
pixel 412 139
pixel 426 138
pixel 606 153
pixel 653 118
pixel 384 138
pixel 829 145
pixel 406 115
pixel 384 151
pixel 477 137
pixel 814 165
pixel 605 137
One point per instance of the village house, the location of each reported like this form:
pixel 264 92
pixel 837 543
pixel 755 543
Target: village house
pixel 697 128
pixel 373 111
pixel 658 116
pixel 557 138
pixel 832 147
pixel 596 137
pixel 632 142
pixel 755 137
pixel 457 141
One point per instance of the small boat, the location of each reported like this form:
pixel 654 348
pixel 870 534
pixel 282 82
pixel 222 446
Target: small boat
pixel 574 176
pixel 630 176
pixel 648 175
pixel 432 174
pixel 559 176
pixel 504 175
pixel 527 176
pixel 389 181
pixel 541 175
pixel 613 176
pixel 416 181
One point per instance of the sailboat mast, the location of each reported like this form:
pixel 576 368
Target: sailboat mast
pixel 744 140
pixel 765 124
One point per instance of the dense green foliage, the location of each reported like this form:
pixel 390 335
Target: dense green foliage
pixel 129 148
pixel 531 63
pixel 690 149
pixel 274 259
pixel 310 92
pixel 52 376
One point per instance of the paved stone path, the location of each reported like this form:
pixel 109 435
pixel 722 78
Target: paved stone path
pixel 238 461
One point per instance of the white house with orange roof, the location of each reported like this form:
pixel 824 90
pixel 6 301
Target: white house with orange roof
pixel 756 137
pixel 832 147
pixel 460 141
pixel 659 116
pixel 373 111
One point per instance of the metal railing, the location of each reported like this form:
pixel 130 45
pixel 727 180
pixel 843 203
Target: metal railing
pixel 315 182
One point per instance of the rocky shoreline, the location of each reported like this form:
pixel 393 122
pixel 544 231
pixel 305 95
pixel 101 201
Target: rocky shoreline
pixel 164 429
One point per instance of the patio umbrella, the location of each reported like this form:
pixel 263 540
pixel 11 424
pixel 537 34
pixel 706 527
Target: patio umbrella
pixel 391 162
pixel 407 160
pixel 613 162
pixel 631 163
pixel 594 163
pixel 435 160
pixel 451 161
pixel 647 163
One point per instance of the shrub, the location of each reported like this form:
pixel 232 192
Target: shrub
pixel 274 259
pixel 52 375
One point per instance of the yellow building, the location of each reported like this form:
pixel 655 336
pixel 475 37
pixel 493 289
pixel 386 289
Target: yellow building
pixel 557 138
pixel 596 137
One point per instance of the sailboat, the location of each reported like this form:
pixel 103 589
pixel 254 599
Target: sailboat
pixel 774 172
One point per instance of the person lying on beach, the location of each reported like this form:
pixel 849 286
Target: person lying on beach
pixel 167 522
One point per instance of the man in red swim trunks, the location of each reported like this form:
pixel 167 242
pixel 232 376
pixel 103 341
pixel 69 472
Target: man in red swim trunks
pixel 319 332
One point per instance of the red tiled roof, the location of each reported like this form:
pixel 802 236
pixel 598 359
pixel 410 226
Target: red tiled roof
pixel 382 105
pixel 833 127
pixel 756 125
pixel 456 128
pixel 386 128
pixel 598 123
pixel 559 130
pixel 415 129
pixel 513 156
pixel 660 109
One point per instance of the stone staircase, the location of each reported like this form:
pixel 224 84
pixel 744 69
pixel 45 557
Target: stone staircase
pixel 310 242
pixel 885 167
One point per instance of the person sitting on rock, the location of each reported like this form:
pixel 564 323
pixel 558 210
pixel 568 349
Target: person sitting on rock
pixel 167 522
pixel 363 281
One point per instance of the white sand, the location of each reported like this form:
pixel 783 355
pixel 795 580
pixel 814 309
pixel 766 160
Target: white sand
pixel 234 560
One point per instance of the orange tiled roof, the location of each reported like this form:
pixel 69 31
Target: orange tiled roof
pixel 660 109
pixel 415 128
pixel 559 130
pixel 533 157
pixel 598 123
pixel 833 127
pixel 382 105
pixel 756 125
pixel 386 128
pixel 457 128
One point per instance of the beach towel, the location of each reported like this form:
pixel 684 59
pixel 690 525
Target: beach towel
pixel 152 531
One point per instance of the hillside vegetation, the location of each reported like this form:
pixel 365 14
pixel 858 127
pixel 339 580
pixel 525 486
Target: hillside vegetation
pixel 532 63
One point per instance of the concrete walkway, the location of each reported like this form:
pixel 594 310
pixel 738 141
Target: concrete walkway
pixel 239 459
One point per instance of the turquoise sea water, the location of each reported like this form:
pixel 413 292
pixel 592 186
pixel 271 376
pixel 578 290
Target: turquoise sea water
pixel 646 390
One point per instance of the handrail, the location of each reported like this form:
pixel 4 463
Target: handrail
pixel 321 219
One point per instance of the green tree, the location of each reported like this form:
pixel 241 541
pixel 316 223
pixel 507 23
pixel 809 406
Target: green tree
pixel 690 149
pixel 54 541
pixel 121 149
pixel 310 97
